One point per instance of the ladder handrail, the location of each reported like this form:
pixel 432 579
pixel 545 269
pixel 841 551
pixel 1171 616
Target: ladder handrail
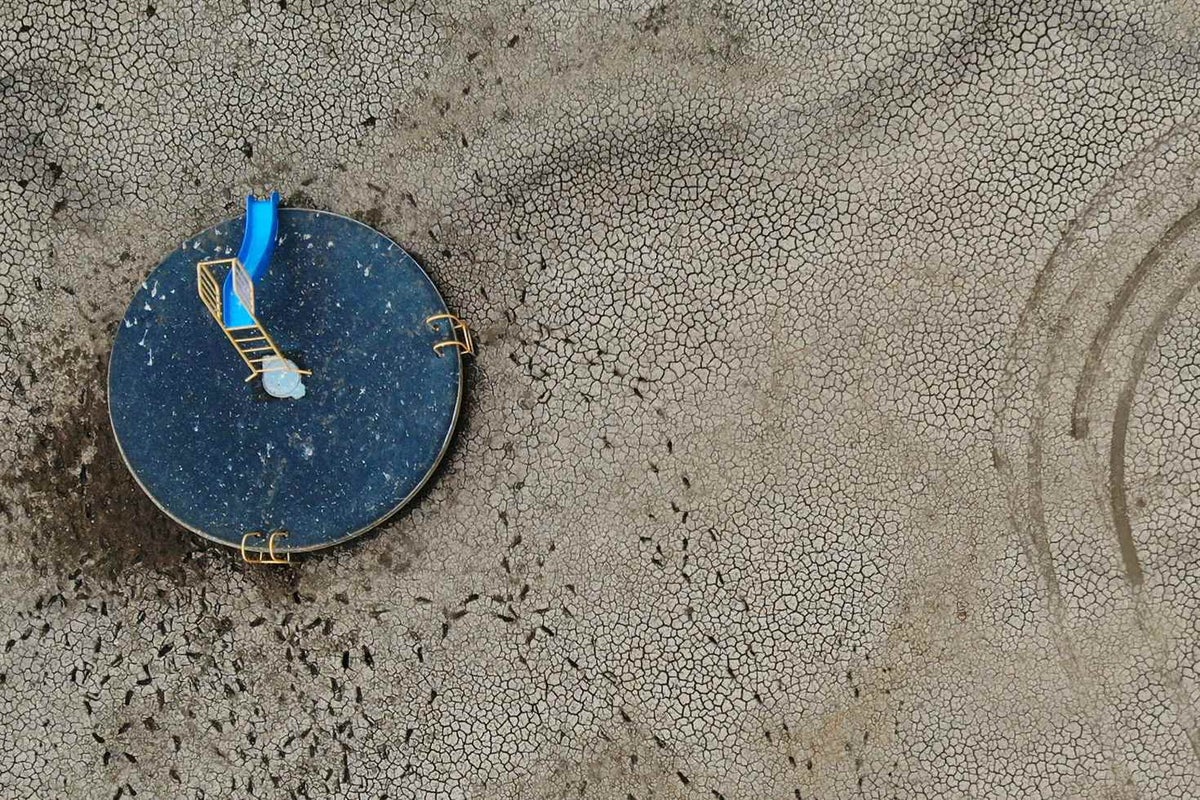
pixel 209 289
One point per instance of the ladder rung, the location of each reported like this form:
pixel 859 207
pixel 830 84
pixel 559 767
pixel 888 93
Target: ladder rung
pixel 256 349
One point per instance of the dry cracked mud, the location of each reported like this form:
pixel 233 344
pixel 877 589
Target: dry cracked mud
pixel 833 433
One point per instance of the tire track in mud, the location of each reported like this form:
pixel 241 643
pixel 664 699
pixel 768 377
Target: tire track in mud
pixel 1148 620
pixel 1120 304
pixel 1083 339
pixel 1037 321
pixel 1120 428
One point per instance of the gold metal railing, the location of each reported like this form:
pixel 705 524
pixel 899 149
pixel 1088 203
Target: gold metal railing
pixel 252 342
pixel 269 557
pixel 460 335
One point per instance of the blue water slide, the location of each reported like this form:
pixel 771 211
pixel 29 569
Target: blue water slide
pixel 258 245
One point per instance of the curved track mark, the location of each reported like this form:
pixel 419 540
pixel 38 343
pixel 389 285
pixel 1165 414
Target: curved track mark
pixel 1027 513
pixel 1120 511
pixel 1121 301
pixel 1120 429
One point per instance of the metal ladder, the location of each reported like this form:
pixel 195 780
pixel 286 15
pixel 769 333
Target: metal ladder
pixel 252 342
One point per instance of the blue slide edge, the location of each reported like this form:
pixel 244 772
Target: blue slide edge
pixel 258 245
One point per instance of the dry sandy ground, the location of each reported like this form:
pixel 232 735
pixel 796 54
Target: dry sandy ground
pixel 834 434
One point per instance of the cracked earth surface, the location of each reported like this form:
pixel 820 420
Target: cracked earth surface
pixel 833 431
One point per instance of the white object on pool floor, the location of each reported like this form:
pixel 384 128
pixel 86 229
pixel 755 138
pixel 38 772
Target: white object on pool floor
pixel 281 378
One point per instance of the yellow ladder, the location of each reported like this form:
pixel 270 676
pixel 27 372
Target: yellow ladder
pixel 252 342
